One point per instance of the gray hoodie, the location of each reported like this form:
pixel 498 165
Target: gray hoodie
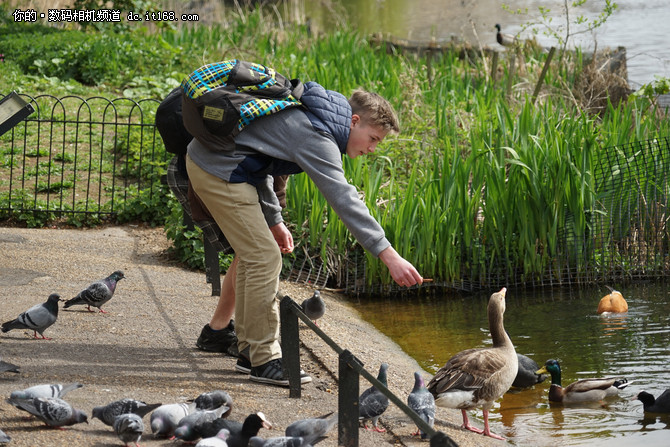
pixel 289 142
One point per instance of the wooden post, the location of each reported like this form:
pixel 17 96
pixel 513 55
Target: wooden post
pixel 540 81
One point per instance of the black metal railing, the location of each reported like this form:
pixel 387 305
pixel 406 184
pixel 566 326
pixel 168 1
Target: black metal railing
pixel 349 372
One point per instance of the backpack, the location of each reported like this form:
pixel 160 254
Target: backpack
pixel 170 124
pixel 220 99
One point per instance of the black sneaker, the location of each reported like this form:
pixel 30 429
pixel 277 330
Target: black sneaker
pixel 243 364
pixel 273 373
pixel 224 341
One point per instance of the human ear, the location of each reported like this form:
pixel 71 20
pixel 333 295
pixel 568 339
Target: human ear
pixel 355 119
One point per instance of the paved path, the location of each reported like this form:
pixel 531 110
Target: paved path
pixel 144 347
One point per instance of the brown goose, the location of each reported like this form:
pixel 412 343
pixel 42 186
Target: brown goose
pixel 477 377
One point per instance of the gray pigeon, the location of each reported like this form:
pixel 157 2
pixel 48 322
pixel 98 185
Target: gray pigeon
pixel 165 418
pixel 214 399
pixel 372 403
pixel 279 441
pixel 45 390
pixel 422 402
pixel 312 430
pixel 314 307
pixel 215 441
pixel 238 433
pixel 97 293
pixel 53 411
pixel 188 429
pixel 108 413
pixel 10 367
pixel 129 428
pixel 4 437
pixel 38 318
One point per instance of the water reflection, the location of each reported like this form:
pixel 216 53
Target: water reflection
pixel 551 324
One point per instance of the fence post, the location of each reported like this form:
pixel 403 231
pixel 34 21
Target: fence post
pixel 290 340
pixel 347 426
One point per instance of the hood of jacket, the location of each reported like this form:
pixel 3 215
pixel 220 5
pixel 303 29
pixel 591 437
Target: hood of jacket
pixel 328 111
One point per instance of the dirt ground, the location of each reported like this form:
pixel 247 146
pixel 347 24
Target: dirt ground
pixel 144 347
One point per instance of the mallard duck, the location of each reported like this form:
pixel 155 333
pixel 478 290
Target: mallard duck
pixel 527 375
pixel 584 390
pixel 613 302
pixel 506 40
pixel 661 404
pixel 477 377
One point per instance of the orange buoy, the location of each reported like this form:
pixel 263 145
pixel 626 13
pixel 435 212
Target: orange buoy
pixel 613 302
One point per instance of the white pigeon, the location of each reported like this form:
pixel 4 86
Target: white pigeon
pixel 4 437
pixel 215 441
pixel 38 318
pixel 165 418
pixel 53 411
pixel 129 428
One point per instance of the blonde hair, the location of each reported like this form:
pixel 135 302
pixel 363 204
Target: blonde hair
pixel 374 110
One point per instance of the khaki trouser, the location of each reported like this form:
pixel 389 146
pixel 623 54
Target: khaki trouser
pixel 237 211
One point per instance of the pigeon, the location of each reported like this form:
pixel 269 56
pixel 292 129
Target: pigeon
pixel 312 430
pixel 53 411
pixel 129 428
pixel 188 429
pixel 38 318
pixel 4 437
pixel 422 402
pixel 45 390
pixel 165 418
pixel 107 413
pixel 97 293
pixel 314 307
pixel 213 400
pixel 215 441
pixel 8 367
pixel 372 402
pixel 238 433
pixel 279 441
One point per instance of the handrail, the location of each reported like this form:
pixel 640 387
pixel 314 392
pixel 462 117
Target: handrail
pixel 350 368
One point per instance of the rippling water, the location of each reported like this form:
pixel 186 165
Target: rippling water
pixel 560 325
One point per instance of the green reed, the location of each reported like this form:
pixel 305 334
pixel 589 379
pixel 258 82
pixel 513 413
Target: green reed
pixel 479 184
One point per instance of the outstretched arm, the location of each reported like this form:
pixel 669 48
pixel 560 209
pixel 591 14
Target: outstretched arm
pixel 401 270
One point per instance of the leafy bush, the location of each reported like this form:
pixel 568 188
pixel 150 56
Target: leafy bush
pixel 91 58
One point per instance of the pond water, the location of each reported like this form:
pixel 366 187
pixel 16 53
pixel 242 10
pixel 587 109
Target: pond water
pixel 640 26
pixel 559 324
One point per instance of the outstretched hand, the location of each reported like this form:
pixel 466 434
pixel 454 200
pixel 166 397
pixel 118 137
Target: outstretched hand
pixel 402 271
pixel 283 237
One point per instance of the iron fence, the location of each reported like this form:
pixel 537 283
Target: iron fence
pixel 80 156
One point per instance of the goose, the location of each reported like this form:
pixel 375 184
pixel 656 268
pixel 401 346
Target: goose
pixel 661 404
pixel 506 40
pixel 584 390
pixel 477 377
pixel 527 375
pixel 613 302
